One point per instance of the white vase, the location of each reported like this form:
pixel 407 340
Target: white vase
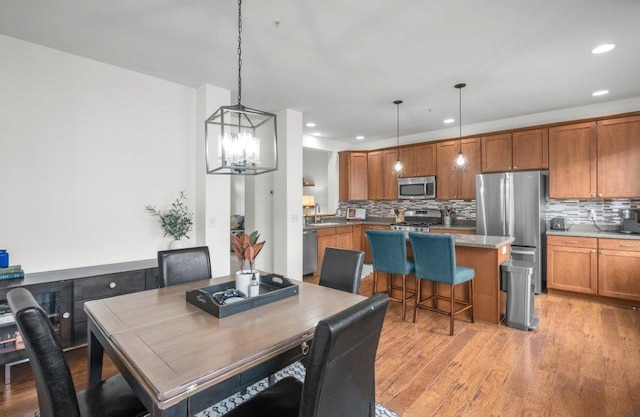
pixel 243 279
pixel 176 244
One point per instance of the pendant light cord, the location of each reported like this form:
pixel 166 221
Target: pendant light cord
pixel 239 51
pixel 460 109
pixel 398 131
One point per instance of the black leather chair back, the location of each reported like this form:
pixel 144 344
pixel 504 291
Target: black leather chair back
pixel 56 393
pixel 341 269
pixel 340 378
pixel 183 265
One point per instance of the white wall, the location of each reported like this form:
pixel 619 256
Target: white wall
pixel 84 147
pixel 315 165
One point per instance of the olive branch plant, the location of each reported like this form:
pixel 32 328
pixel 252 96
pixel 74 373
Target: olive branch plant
pixel 176 221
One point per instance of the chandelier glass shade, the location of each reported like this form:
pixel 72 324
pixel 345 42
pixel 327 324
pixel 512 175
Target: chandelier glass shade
pixel 240 140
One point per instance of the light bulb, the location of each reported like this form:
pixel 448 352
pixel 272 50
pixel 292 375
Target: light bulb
pixel 460 160
pixel 398 168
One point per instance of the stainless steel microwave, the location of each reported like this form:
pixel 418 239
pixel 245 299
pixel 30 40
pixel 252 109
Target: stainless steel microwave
pixel 417 188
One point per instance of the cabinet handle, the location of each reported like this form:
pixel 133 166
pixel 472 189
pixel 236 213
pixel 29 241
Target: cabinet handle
pixel 600 195
pixel 594 251
pixel 112 285
pixel 571 242
pixel 66 315
pixel 626 246
pixel 593 194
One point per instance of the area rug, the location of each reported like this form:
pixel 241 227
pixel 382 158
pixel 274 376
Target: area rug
pixel 296 370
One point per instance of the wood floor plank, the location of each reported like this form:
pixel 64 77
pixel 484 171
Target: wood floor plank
pixel 582 360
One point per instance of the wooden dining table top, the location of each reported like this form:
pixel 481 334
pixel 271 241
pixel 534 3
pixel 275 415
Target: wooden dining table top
pixel 174 349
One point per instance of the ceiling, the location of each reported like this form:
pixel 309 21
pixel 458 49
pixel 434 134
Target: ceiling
pixel 343 63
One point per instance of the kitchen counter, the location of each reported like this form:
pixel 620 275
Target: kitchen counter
pixel 477 241
pixel 605 234
pixel 441 227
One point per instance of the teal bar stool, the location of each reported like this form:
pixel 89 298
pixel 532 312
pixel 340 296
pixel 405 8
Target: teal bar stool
pixel 389 253
pixel 435 259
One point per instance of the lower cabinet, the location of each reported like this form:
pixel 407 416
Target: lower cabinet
pixel 572 264
pixel 336 237
pixel 603 267
pixel 619 268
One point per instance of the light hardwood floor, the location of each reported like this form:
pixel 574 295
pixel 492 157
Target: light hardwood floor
pixel 583 360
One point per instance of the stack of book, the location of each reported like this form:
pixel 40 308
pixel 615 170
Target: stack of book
pixel 12 272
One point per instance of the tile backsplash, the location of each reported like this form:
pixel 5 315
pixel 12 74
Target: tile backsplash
pixel 607 211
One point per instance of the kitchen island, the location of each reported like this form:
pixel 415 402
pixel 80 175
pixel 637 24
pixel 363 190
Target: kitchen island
pixel 484 254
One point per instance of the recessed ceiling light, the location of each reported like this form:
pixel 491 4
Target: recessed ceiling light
pixel 449 120
pixel 316 134
pixel 310 124
pixel 601 49
pixel 600 93
pixel 359 137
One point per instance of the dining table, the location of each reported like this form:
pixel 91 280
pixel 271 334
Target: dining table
pixel 180 359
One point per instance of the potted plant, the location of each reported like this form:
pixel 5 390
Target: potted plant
pixel 176 221
pixel 246 247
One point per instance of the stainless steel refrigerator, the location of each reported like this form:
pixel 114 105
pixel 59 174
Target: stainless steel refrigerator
pixel 512 204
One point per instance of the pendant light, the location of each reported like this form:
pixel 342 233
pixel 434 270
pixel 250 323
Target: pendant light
pixel 461 163
pixel 398 167
pixel 246 138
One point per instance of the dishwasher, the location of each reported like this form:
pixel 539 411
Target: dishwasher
pixel 309 251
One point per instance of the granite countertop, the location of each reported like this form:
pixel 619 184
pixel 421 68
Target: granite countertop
pixel 585 230
pixel 454 227
pixel 478 241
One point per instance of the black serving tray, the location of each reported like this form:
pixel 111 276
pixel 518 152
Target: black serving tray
pixel 273 287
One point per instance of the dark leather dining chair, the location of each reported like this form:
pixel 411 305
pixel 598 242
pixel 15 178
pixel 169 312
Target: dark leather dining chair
pixel 340 377
pixel 341 269
pixel 179 266
pixel 56 394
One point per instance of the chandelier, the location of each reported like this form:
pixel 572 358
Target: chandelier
pixel 246 138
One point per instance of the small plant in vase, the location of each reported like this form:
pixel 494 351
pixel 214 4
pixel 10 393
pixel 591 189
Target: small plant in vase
pixel 177 221
pixel 246 247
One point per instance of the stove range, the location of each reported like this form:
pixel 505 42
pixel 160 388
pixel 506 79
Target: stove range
pixel 418 221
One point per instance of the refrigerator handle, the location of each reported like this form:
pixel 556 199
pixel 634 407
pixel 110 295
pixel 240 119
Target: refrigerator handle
pixel 508 211
pixel 503 205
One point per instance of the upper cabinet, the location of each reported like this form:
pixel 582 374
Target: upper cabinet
pixel 595 160
pixel 457 184
pixel 382 184
pixel 419 161
pixel 572 161
pixel 353 175
pixel 517 151
pixel 619 157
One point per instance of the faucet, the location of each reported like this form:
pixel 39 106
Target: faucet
pixel 315 214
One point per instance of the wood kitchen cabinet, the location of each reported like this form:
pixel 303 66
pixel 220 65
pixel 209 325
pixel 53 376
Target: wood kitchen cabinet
pixel 382 185
pixel 619 268
pixel 497 153
pixel 572 264
pixel 457 184
pixel 595 160
pixel 619 157
pixel 335 237
pixel 516 151
pixel 419 161
pixel 572 161
pixel 352 175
